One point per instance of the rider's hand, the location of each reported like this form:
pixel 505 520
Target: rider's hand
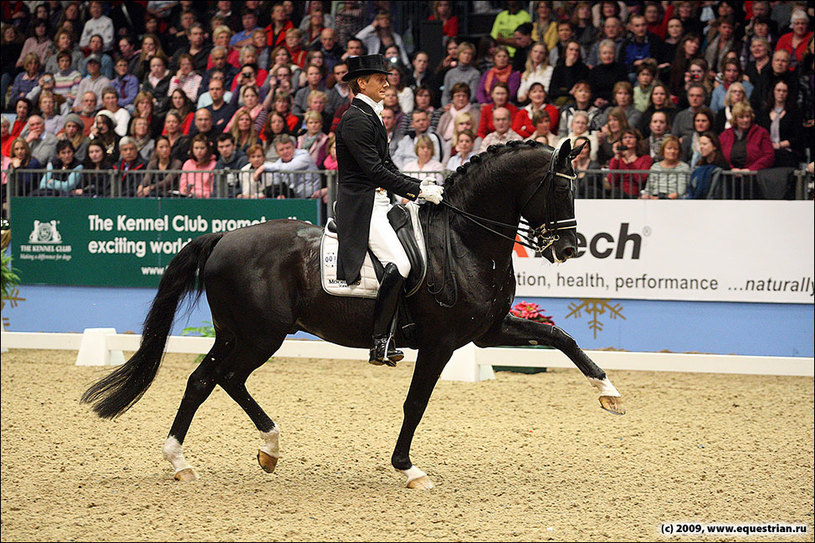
pixel 431 193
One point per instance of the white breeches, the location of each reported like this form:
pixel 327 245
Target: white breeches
pixel 382 238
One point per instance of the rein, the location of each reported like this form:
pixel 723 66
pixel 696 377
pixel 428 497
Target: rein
pixel 538 239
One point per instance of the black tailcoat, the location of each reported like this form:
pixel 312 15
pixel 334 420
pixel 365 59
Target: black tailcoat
pixel 364 165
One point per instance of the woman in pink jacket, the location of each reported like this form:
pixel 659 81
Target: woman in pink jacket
pixel 193 181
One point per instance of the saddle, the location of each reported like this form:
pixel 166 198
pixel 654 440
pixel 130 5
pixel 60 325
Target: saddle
pixel 404 219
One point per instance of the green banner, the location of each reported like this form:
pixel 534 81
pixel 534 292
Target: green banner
pixel 125 242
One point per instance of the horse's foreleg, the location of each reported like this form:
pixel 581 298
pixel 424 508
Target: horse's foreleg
pixel 199 386
pixel 516 331
pixel 429 364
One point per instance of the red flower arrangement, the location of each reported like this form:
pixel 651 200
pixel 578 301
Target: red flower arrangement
pixel 532 312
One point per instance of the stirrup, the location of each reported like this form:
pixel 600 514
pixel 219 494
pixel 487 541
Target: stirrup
pixel 383 353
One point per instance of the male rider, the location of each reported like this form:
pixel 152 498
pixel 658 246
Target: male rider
pixel 366 174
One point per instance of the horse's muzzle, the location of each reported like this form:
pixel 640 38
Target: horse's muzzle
pixel 564 248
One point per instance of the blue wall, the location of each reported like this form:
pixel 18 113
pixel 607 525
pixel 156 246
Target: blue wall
pixel 707 327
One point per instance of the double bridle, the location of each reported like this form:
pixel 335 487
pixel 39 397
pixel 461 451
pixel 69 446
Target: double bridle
pixel 538 239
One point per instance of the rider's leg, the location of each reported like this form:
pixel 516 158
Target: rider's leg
pixel 386 246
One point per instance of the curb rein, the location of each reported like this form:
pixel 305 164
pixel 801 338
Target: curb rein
pixel 538 239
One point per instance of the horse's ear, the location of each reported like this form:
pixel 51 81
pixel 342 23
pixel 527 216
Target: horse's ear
pixel 560 158
pixel 576 151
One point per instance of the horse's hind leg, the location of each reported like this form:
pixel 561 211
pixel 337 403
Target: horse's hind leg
pixel 247 359
pixel 199 386
pixel 516 331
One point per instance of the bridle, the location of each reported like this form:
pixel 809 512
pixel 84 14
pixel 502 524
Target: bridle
pixel 538 238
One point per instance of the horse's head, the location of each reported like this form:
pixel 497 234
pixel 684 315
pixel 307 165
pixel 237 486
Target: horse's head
pixel 549 210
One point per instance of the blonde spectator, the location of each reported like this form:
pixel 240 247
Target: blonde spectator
pixel 465 121
pixel 736 93
pixel 221 36
pixel 314 139
pixel 425 167
pixel 537 70
pixel 669 177
pixel 244 132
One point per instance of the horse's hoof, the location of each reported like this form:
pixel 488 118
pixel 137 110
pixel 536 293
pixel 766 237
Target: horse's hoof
pixel 267 462
pixel 420 483
pixel 612 404
pixel 185 475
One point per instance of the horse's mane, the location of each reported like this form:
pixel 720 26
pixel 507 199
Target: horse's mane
pixel 477 169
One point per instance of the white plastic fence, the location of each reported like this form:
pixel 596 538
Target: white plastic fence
pixel 103 346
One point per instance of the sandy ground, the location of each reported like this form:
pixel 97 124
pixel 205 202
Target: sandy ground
pixel 521 458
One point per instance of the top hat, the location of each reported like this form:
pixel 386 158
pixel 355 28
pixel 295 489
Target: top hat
pixel 364 65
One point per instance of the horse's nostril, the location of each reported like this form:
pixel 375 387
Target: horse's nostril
pixel 568 252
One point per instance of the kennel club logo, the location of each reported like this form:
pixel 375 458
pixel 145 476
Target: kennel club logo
pixel 45 243
pixel 45 232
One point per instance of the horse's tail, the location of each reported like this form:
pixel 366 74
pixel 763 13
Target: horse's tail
pixel 116 393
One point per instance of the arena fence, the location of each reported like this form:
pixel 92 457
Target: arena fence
pixel 104 347
pixel 775 184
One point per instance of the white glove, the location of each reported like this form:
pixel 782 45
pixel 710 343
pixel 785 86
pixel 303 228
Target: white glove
pixel 431 193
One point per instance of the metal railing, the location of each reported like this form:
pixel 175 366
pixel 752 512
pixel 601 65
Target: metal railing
pixel 601 184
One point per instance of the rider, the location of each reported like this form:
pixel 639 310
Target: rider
pixel 366 174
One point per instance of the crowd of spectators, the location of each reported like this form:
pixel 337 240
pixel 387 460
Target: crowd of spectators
pixel 255 88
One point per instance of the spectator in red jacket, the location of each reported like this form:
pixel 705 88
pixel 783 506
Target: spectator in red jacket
pixel 628 156
pixel 795 42
pixel 746 145
pixel 500 98
pixel 522 122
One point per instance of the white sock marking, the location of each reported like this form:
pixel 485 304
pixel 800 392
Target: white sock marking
pixel 413 473
pixel 605 387
pixel 271 442
pixel 174 454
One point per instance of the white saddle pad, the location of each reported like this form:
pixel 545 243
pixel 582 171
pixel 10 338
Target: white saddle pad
pixel 368 285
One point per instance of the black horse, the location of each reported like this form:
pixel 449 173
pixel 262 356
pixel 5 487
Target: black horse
pixel 262 283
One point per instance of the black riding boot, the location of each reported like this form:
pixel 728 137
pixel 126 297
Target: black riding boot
pixel 387 300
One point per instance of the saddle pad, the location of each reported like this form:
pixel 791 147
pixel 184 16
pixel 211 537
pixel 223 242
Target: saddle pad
pixel 368 284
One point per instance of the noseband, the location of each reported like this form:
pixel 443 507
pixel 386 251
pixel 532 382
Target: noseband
pixel 542 237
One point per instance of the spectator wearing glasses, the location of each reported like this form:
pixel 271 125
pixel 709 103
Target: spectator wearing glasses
pixel 795 42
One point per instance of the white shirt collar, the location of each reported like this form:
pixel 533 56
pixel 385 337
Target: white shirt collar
pixel 376 106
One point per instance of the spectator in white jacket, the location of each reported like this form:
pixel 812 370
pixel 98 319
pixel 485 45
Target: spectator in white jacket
pixel 380 34
pixel 97 24
pixel 425 167
pixel 294 185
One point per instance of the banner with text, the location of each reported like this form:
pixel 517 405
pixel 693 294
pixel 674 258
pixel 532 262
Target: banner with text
pixel 731 251
pixel 125 242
